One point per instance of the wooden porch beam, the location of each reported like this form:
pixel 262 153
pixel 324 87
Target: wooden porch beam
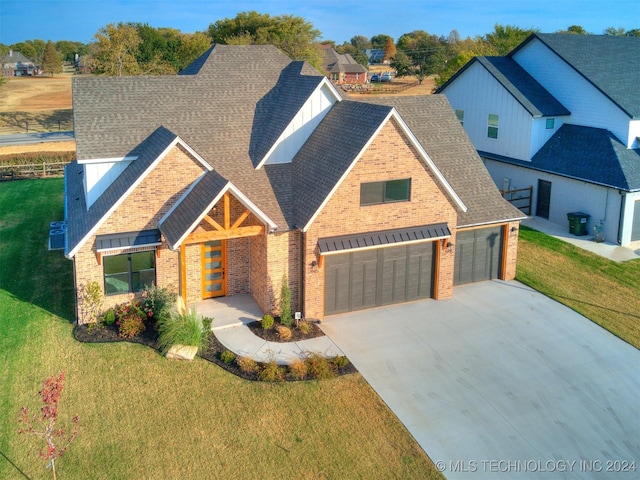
pixel 213 223
pixel 199 237
pixel 241 219
pixel 227 210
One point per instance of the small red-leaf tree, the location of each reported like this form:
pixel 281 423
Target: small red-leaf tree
pixel 44 423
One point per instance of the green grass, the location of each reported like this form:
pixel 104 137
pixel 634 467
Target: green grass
pixel 142 416
pixel 602 290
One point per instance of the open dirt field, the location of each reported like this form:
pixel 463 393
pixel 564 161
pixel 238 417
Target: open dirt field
pixel 36 104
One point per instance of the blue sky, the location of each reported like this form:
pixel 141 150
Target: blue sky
pixel 338 20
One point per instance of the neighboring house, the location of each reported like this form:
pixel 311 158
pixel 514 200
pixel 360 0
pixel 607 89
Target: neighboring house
pixel 188 181
pixel 14 64
pixel 343 69
pixel 561 113
pixel 375 55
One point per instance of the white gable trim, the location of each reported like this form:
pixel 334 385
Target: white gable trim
pixel 229 187
pixel 421 151
pixel 88 161
pixel 133 186
pixel 324 87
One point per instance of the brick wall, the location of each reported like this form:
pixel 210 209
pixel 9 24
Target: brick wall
pixel 390 156
pixel 142 210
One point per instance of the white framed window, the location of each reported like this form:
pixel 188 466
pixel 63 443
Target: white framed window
pixel 460 115
pixel 492 129
pixel 551 123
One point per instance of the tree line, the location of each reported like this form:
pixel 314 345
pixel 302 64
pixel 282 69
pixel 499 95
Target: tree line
pixel 138 48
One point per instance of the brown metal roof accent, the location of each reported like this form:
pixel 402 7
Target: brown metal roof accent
pixel 383 238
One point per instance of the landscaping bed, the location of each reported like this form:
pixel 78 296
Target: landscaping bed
pixel 271 334
pixel 215 353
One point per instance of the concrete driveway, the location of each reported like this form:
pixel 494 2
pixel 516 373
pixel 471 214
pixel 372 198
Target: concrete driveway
pixel 502 382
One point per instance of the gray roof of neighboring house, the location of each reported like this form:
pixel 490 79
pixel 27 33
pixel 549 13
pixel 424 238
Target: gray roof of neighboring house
pixel 610 63
pixel 589 154
pixel 335 62
pixel 436 127
pixel 522 86
pixel 13 57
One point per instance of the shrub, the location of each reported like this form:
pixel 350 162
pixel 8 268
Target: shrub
pixel 285 303
pixel 157 302
pixel 130 319
pixel 283 332
pixel 320 367
pixel 109 317
pixel 340 361
pixel 267 322
pixel 304 327
pixel 298 369
pixel 90 300
pixel 247 364
pixel 182 327
pixel 227 356
pixel 271 372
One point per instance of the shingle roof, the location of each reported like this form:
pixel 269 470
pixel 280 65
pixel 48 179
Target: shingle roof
pixel 436 127
pixel 610 63
pixel 335 62
pixel 329 152
pixel 589 154
pixel 524 88
pixel 215 106
pixel 14 57
pixel 82 220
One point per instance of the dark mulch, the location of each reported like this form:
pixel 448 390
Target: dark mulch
pixel 213 352
pixel 271 335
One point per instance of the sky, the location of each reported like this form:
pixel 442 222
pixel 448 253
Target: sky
pixel 338 20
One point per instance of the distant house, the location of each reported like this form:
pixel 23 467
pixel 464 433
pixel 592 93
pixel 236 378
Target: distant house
pixel 14 64
pixel 342 68
pixel 188 181
pixel 374 55
pixel 560 113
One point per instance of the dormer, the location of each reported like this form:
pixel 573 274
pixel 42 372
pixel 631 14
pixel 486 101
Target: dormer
pixel 100 173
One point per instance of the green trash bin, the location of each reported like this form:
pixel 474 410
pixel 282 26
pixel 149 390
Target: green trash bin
pixel 578 223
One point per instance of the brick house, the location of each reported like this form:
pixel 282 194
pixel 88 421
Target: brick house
pixel 15 64
pixel 193 182
pixel 342 68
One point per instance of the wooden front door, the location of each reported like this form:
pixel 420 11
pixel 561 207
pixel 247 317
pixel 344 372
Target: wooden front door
pixel 213 255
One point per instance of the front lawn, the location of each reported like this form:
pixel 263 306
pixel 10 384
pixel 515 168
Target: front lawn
pixel 142 416
pixel 602 290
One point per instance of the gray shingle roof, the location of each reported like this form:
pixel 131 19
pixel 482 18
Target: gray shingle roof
pixel 610 63
pixel 335 62
pixel 215 106
pixel 80 220
pixel 329 152
pixel 436 127
pixel 589 154
pixel 191 206
pixel 524 88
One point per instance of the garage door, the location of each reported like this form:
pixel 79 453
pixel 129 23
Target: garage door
pixel 635 227
pixel 477 255
pixel 383 276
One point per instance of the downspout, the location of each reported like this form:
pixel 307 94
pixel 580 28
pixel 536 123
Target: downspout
pixel 623 202
pixel 303 280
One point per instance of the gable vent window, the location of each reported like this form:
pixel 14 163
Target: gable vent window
pixel 492 131
pixel 390 191
pixel 551 122
pixel 460 115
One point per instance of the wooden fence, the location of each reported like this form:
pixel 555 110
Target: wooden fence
pixel 519 198
pixel 34 170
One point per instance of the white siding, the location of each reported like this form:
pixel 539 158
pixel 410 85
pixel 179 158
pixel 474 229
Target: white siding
pixel 568 195
pixel 634 134
pixel 301 127
pixel 98 176
pixel 540 134
pixel 515 123
pixel 588 106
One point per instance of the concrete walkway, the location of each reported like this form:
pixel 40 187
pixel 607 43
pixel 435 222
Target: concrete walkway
pixel 231 315
pixel 608 250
